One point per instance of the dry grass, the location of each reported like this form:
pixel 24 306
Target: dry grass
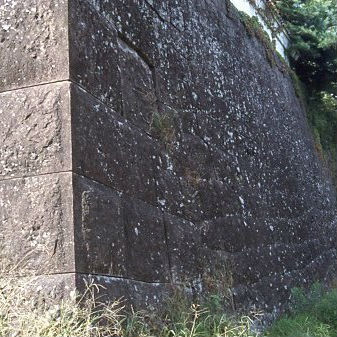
pixel 26 312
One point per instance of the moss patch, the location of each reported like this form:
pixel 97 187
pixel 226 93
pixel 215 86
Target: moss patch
pixel 255 29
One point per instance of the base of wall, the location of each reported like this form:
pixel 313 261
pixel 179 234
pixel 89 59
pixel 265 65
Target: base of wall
pixel 53 288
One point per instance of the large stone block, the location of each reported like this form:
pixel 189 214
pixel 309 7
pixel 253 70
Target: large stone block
pixel 116 235
pixel 269 260
pixel 139 295
pixel 33 42
pixel 138 91
pixel 184 247
pixel 106 148
pixel 93 51
pixel 48 290
pixel 100 242
pixel 319 269
pixel 147 255
pixel 35 130
pixel 195 183
pixel 36 224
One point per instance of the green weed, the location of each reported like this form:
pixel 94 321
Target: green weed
pixel 313 314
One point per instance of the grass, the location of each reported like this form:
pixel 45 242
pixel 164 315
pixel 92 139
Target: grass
pixel 162 127
pixel 312 315
pixel 25 312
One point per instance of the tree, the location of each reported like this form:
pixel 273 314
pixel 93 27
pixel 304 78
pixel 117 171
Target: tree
pixel 313 50
pixel 312 25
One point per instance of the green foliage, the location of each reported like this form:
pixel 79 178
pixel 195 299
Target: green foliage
pixel 313 30
pixel 301 325
pixel 313 55
pixel 323 117
pixel 299 88
pixel 303 301
pixel 205 320
pixel 162 127
pixel 313 314
pixel 181 318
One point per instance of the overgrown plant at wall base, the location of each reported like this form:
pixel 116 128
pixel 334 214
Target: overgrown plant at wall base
pixel 313 314
pixel 219 285
pixel 26 312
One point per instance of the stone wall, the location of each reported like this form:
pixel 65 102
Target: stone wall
pixel 151 144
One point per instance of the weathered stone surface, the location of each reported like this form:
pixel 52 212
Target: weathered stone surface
pixel 107 149
pixel 93 51
pixel 184 246
pixel 191 154
pixel 33 42
pixel 140 295
pixel 147 255
pixel 100 242
pixel 36 224
pixel 138 92
pixel 48 289
pixel 35 130
pixel 320 268
pixel 134 22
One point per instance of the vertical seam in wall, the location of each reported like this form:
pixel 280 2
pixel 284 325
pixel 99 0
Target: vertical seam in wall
pixel 167 247
pixel 71 130
pixel 156 92
pixel 126 241
pixel 72 176
pixel 68 37
pixel 155 86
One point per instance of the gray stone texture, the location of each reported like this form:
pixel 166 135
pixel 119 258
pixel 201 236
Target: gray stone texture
pixel 33 42
pixel 108 149
pixel 215 137
pixel 142 295
pixel 99 229
pixel 35 130
pixel 172 151
pixel 36 224
pixel 93 57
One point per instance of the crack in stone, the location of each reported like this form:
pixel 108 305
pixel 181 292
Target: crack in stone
pixel 161 18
